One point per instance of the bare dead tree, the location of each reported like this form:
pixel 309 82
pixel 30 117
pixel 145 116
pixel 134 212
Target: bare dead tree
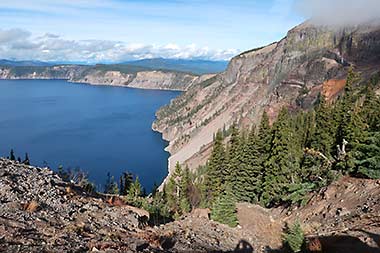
pixel 342 150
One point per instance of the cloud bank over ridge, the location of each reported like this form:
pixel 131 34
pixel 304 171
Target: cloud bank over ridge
pixel 19 44
pixel 340 12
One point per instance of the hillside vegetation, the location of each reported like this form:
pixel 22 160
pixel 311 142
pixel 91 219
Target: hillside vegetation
pixel 280 164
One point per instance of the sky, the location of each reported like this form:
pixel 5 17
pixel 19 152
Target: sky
pixel 115 30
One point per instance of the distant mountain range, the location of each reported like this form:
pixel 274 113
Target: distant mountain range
pixel 4 62
pixel 197 67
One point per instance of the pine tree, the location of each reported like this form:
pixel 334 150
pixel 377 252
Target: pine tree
pixel 184 191
pixel 177 180
pixel 295 237
pixel 237 170
pixel 322 139
pixel 110 186
pixel 216 169
pixel 365 153
pixel 170 194
pixel 345 109
pixel 234 155
pixel 371 112
pixel 309 121
pixel 297 193
pixel 12 155
pixel 224 209
pixel 135 191
pixel 155 189
pixel 126 180
pixel 282 166
pixel 247 185
pixel 367 156
pixel 26 160
pixel 172 190
pixel 350 125
pixel 264 137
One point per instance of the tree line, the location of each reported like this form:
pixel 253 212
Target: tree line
pixel 12 157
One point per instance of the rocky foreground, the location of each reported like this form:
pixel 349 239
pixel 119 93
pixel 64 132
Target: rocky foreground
pixel 41 213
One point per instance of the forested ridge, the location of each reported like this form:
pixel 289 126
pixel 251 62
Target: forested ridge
pixel 281 163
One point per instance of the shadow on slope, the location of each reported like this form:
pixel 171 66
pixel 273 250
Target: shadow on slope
pixel 336 244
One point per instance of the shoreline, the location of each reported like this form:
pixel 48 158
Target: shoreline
pixel 95 84
pixel 168 170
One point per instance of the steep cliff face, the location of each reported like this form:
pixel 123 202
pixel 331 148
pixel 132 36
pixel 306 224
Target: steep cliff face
pixel 163 80
pixel 42 72
pixel 106 75
pixel 291 73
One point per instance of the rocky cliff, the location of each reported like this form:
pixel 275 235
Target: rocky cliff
pixel 116 75
pixel 292 72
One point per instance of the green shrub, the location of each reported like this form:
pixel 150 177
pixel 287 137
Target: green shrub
pixel 224 210
pixel 294 237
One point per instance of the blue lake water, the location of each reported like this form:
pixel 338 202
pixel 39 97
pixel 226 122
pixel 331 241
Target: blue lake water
pixel 100 129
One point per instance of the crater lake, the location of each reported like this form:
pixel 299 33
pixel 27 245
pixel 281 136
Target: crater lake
pixel 98 129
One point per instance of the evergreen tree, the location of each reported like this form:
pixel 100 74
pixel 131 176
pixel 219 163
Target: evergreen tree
pixel 367 156
pixel 224 209
pixel 235 163
pixel 177 180
pixel 26 160
pixel 315 169
pixel 184 191
pixel 135 191
pixel 350 125
pixel 247 185
pixel 264 137
pixel 172 190
pixel 345 110
pixel 295 237
pixel 297 193
pixel 371 113
pixel 12 155
pixel 126 180
pixel 322 139
pixel 216 169
pixel 110 186
pixel 282 166
pixel 309 121
pixel 170 194
pixel 155 189
pixel 234 155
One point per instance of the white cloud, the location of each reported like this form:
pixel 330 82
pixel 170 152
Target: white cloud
pixel 20 44
pixel 340 12
pixel 13 35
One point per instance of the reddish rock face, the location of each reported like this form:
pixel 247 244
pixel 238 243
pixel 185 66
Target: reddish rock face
pixel 331 88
